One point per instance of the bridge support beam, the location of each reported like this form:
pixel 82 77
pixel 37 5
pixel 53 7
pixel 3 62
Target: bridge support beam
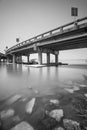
pixel 48 58
pixel 28 58
pixel 39 57
pixel 56 57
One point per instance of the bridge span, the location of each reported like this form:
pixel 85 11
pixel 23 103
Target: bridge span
pixel 69 36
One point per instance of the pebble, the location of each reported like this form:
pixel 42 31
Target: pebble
pixel 30 105
pixel 23 126
pixel 7 113
pixel 56 114
pixel 71 125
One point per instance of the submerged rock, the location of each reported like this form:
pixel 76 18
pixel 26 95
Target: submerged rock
pixel 7 113
pixel 56 114
pixel 69 90
pixel 30 105
pixel 23 126
pixel 71 125
pixel 13 99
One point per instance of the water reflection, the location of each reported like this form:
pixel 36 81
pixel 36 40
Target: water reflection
pixel 14 69
pixel 15 78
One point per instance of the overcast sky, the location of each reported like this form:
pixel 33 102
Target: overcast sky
pixel 28 18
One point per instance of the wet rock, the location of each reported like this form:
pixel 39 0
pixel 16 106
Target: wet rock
pixel 85 94
pixel 23 126
pixel 82 85
pixel 69 90
pixel 7 113
pixel 49 123
pixel 13 99
pixel 76 88
pixel 30 105
pixel 59 128
pixel 56 114
pixel 16 119
pixel 71 125
pixel 54 101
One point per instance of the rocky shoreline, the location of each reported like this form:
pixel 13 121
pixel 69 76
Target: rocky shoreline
pixel 60 111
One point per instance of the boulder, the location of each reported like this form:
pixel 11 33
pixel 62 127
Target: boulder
pixel 30 105
pixel 23 126
pixel 56 114
pixel 7 113
pixel 71 125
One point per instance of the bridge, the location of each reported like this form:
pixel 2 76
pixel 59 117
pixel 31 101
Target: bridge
pixel 69 36
pixel 2 56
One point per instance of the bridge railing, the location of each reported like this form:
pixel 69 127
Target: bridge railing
pixel 52 32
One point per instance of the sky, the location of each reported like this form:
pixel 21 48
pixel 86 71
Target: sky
pixel 24 19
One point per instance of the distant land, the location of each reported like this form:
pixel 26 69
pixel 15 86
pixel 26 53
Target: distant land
pixel 74 61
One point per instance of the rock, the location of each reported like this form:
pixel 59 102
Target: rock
pixel 30 105
pixel 36 91
pixel 71 125
pixel 85 94
pixel 83 85
pixel 23 126
pixel 59 128
pixel 76 88
pixel 13 99
pixel 49 123
pixel 16 119
pixel 69 90
pixel 7 113
pixel 54 101
pixel 56 114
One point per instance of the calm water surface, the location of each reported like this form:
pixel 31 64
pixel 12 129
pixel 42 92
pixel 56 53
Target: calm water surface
pixel 21 79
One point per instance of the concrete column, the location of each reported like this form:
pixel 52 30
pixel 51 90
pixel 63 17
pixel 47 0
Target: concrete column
pixel 14 58
pixel 19 59
pixel 39 57
pixel 48 58
pixel 28 58
pixel 56 57
pixel 7 59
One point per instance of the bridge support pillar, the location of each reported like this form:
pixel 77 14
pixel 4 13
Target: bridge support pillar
pixel 14 58
pixel 48 58
pixel 56 57
pixel 28 58
pixel 39 57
